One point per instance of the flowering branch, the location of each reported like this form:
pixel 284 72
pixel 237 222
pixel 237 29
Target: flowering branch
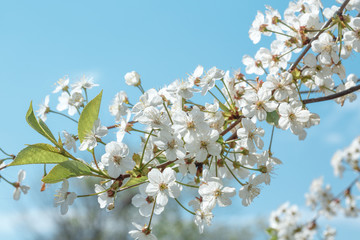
pixel 301 56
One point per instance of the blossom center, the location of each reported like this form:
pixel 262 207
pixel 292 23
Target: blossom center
pixel 203 144
pixel 117 159
pixel 171 144
pixel 149 199
pixel 163 186
pixel 190 125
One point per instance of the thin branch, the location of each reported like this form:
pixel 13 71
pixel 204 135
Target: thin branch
pixel 332 96
pixel 231 126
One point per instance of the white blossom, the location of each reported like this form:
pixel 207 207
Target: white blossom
pixel 19 187
pixel 63 198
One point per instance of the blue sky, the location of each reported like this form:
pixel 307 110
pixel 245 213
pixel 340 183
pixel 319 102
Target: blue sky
pixel 41 41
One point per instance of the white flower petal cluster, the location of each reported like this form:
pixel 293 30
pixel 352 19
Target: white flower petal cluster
pixel 132 78
pixel 72 102
pixel 84 83
pixel 106 196
pixel 119 107
pixel 90 140
pixel 69 142
pixel 44 109
pixel 142 233
pixel 63 198
pixel 348 157
pixel 285 221
pixel 19 187
pixel 163 184
pixel 146 203
pixel 117 159
pixel 204 145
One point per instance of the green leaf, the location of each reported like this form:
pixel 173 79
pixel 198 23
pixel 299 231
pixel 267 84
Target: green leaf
pixel 135 180
pixel 272 233
pixel 223 107
pixel 88 116
pixel 39 126
pixel 67 170
pixel 272 118
pixel 39 153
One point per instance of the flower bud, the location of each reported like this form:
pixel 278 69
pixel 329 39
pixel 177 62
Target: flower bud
pixel 132 79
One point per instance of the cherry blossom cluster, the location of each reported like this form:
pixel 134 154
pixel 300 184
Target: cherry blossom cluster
pixel 205 147
pixel 285 222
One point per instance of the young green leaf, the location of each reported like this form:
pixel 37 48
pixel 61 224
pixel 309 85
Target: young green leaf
pixel 67 170
pixel 38 154
pixel 134 180
pixel 272 118
pixel 39 126
pixel 88 116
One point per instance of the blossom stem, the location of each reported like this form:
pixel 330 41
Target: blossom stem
pixel 143 152
pixel 152 159
pixel 271 139
pixel 6 153
pixel 93 154
pixel 288 52
pixel 4 159
pixel 228 92
pixel 140 131
pixel 187 185
pixel 152 213
pixel 223 95
pixel 242 184
pixel 135 185
pixel 64 115
pixel 86 96
pixel 141 89
pixel 253 169
pixel 283 23
pixel 92 194
pixel 184 207
pixel 280 33
pixel 167 111
pixel 7 181
pixel 230 141
pixel 349 27
pixel 250 85
pixel 298 90
pixel 216 98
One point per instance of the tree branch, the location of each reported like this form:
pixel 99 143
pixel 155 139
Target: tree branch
pixel 332 96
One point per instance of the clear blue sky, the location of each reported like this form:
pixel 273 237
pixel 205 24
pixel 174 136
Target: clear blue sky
pixel 41 41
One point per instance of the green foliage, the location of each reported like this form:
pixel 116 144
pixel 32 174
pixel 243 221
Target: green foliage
pixel 39 126
pixel 66 170
pixel 88 116
pixel 38 154
pixel 273 233
pixel 272 118
pixel 134 180
pixel 223 107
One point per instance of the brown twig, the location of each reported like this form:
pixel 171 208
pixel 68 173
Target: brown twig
pixel 231 126
pixel 1 168
pixel 332 96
